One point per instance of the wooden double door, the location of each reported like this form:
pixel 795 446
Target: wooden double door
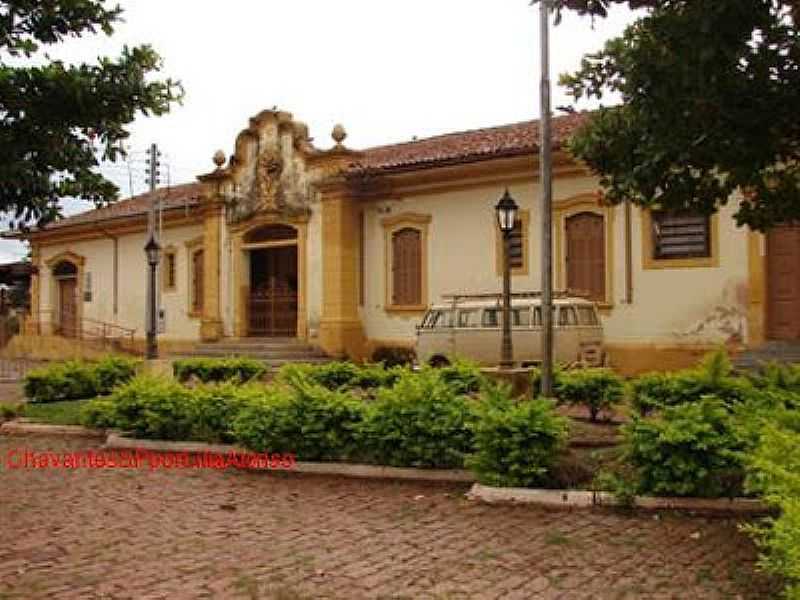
pixel 273 292
pixel 783 283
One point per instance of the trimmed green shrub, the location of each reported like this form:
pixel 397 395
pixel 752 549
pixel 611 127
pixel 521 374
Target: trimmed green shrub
pixel 393 356
pixel 100 413
pixel 208 370
pixel 214 407
pixel 774 472
pixel 78 380
pixel 113 371
pixel 149 407
pixel 597 389
pixel 463 376
pixel 420 422
pixel 778 376
pixel 691 449
pixel 340 375
pixel 515 444
pixel 655 391
pixel 307 420
pixel 160 408
pixel 62 381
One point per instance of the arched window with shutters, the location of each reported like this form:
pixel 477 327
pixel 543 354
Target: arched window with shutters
pixel 406 254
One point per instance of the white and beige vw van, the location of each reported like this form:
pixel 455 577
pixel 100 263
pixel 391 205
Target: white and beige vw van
pixel 470 326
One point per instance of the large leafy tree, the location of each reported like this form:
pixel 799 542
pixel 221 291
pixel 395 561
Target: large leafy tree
pixel 57 121
pixel 710 95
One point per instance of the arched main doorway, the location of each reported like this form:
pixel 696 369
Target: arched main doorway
pixel 273 281
pixel 66 276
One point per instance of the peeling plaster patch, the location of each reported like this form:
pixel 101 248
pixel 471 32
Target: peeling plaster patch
pixel 725 322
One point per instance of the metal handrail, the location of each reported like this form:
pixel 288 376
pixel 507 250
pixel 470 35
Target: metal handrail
pixel 97 330
pixel 455 298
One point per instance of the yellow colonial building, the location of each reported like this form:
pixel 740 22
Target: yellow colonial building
pixel 344 249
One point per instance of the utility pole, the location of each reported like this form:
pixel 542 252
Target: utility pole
pixel 546 168
pixel 152 252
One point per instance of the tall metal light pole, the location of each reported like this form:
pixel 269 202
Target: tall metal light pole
pixel 153 253
pixel 545 163
pixel 506 211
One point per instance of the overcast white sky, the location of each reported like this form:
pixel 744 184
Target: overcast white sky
pixel 386 70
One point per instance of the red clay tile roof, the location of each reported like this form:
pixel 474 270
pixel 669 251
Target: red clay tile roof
pixel 467 146
pixel 178 196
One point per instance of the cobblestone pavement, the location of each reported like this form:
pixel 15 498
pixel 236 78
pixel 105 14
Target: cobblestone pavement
pixel 209 534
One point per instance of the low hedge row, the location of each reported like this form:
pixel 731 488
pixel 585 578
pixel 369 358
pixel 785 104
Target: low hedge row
pixel 77 380
pixel 207 370
pixel 422 420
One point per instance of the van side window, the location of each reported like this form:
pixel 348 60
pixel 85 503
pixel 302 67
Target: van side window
pixel 468 318
pixel 587 315
pixel 442 318
pixel 537 316
pixel 491 317
pixel 521 317
pixel 567 317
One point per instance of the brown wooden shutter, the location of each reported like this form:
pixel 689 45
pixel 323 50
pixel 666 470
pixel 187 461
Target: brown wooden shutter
pixel 586 255
pixel 516 246
pixel 197 281
pixel 407 267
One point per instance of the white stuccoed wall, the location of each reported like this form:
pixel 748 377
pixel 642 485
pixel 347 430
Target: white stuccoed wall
pixel 688 305
pixel 99 255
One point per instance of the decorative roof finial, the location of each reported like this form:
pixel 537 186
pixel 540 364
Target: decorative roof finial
pixel 339 134
pixel 219 158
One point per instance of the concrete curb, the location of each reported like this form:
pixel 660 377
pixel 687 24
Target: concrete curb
pixel 588 499
pixel 117 441
pixel 26 428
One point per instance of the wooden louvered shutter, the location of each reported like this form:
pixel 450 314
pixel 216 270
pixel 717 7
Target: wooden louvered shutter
pixel 681 235
pixel 197 281
pixel 406 267
pixel 586 255
pixel 516 254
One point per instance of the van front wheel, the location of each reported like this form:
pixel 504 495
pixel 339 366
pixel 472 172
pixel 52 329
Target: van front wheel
pixel 437 362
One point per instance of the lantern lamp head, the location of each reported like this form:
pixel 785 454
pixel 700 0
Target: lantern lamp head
pixel 153 251
pixel 506 210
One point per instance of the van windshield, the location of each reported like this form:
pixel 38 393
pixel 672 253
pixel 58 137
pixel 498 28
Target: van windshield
pixel 438 318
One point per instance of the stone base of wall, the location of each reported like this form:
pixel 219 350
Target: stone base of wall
pixel 53 347
pixel 630 359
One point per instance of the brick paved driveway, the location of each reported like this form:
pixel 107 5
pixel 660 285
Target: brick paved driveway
pixel 192 534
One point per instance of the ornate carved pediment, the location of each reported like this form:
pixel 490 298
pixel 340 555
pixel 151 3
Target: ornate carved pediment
pixel 275 168
pixel 267 191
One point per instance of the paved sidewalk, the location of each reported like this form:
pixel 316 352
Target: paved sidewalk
pixel 208 534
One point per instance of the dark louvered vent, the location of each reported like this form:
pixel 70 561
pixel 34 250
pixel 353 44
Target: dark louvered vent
pixel 515 256
pixel 681 236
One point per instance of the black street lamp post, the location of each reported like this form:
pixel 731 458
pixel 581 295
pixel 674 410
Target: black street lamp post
pixel 153 251
pixel 506 210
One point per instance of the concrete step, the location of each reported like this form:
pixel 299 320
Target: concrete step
pixel 265 352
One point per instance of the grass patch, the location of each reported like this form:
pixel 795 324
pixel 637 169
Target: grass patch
pixel 55 413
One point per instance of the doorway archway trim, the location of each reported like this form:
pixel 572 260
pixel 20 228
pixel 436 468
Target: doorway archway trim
pixel 241 274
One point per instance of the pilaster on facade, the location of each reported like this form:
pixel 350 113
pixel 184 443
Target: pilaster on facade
pixel 341 331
